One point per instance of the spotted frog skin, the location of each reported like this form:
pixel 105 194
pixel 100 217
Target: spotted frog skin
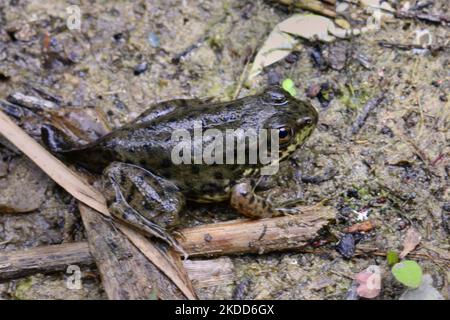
pixel 146 190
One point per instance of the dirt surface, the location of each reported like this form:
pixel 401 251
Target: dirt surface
pixel 388 162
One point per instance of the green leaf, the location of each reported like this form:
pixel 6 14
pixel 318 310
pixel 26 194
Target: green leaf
pixel 289 86
pixel 408 272
pixel 392 257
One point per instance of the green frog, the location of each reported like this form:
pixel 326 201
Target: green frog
pixel 145 189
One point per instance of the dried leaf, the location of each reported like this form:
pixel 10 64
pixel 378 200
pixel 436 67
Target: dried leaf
pixel 276 47
pixel 309 26
pixel 281 40
pixel 412 239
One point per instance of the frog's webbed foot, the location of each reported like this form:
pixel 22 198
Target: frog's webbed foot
pixel 143 200
pixel 246 202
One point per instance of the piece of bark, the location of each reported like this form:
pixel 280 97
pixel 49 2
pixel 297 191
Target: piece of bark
pixel 126 273
pixel 256 236
pixel 52 258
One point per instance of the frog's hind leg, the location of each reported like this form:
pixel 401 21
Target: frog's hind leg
pixel 246 202
pixel 143 200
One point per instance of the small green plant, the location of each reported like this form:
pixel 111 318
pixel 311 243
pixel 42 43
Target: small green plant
pixel 289 86
pixel 392 257
pixel 408 272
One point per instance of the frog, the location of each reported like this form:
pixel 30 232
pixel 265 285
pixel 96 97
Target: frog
pixel 146 190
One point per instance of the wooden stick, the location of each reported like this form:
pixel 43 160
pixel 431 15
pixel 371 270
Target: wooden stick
pixel 256 236
pixel 48 259
pixel 232 237
pixel 322 8
pixel 52 258
pixel 86 194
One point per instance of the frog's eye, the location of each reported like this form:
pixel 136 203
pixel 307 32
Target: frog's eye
pixel 284 134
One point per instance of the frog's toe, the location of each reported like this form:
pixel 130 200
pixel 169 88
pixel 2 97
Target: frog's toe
pixel 126 214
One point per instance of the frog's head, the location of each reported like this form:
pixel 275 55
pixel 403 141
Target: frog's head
pixel 294 119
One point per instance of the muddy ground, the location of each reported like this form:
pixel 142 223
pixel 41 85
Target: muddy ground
pixel 394 170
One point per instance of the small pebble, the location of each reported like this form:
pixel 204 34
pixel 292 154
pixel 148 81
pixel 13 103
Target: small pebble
pixel 446 206
pixel 313 90
pixel 153 40
pixel 387 131
pixel 273 78
pixel 292 57
pixel 352 193
pixel 140 68
pixel 118 36
pixel 346 246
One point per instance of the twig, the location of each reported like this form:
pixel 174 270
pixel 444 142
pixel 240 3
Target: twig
pixel 243 77
pixel 54 258
pixel 43 259
pixel 433 18
pixel 326 7
pixel 369 107
pixel 244 236
pixel 406 46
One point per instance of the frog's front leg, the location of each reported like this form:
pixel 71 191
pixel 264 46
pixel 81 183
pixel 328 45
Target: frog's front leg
pixel 143 200
pixel 246 202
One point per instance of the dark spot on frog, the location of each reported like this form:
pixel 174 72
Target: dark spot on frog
pixel 166 163
pixel 211 188
pixel 195 169
pixel 167 174
pixel 147 206
pixel 218 175
pixel 130 194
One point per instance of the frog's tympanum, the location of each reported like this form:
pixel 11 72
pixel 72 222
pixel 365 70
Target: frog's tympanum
pixel 146 189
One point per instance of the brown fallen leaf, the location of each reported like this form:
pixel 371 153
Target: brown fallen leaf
pixel 364 226
pixel 412 239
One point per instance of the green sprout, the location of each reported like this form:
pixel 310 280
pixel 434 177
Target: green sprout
pixel 289 86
